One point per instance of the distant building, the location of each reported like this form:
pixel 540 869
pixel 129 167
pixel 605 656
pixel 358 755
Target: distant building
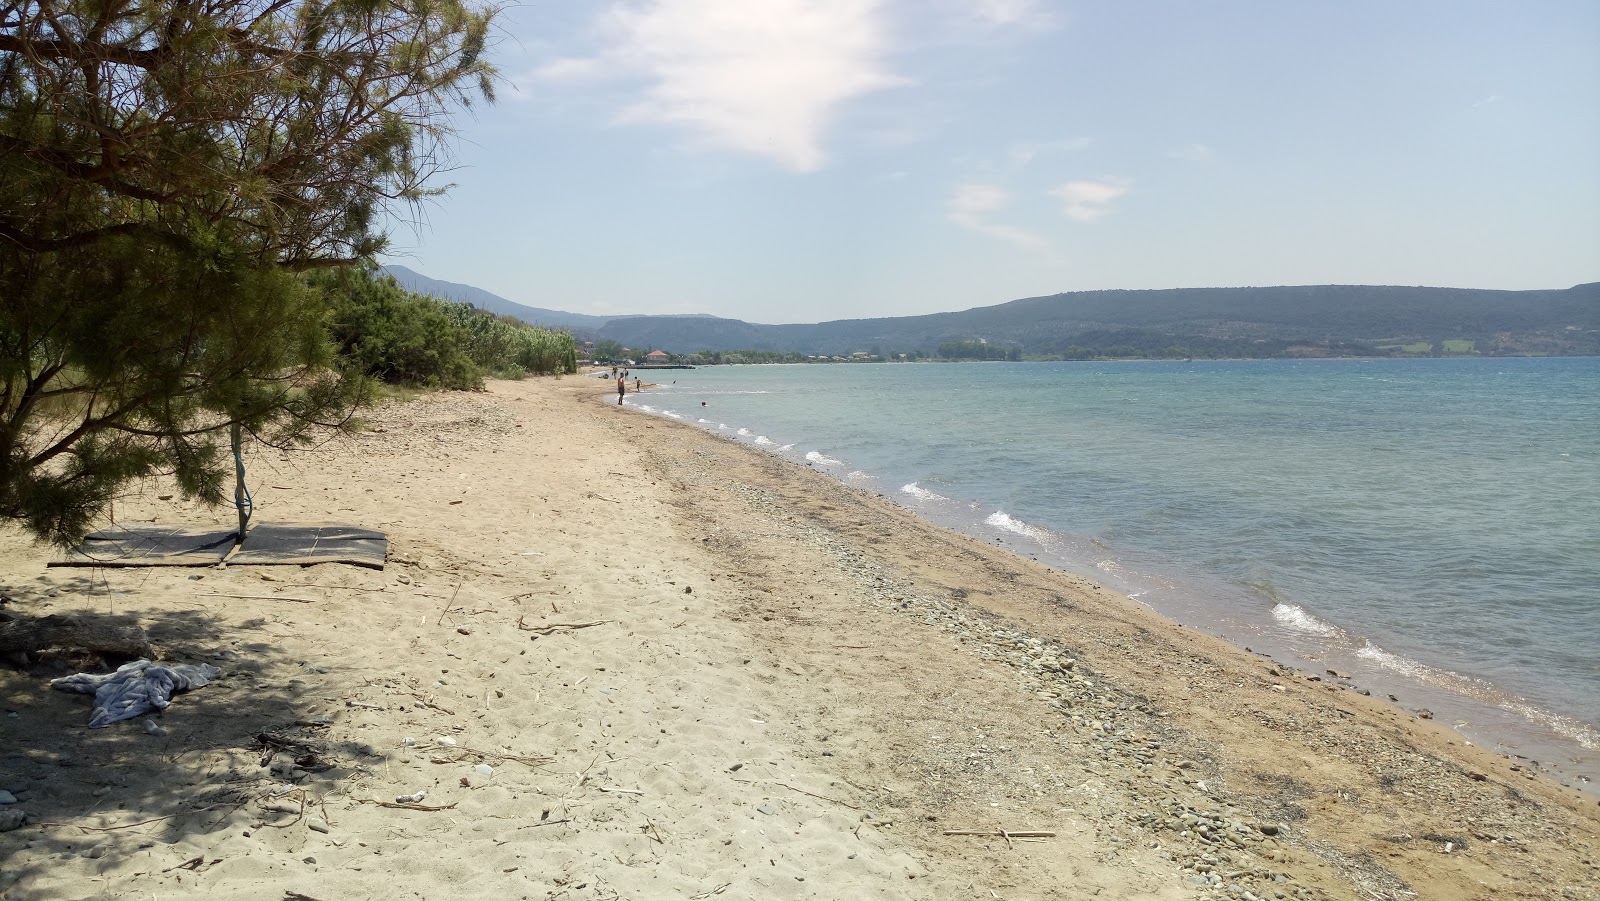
pixel 657 356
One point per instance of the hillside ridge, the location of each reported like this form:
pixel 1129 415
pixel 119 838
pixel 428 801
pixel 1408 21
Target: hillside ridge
pixel 1275 321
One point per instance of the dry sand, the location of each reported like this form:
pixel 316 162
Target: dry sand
pixel 624 658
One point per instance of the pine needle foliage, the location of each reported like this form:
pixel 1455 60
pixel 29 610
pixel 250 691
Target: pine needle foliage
pixel 167 169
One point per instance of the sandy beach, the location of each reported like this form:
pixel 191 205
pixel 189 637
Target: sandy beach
pixel 614 656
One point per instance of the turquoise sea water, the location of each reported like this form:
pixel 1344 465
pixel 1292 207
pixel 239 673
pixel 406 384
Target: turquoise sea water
pixel 1431 526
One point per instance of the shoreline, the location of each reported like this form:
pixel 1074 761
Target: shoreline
pixel 750 678
pixel 1529 722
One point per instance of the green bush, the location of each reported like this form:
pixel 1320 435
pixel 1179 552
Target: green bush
pixel 411 339
pixel 394 335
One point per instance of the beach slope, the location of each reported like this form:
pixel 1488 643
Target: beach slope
pixel 614 656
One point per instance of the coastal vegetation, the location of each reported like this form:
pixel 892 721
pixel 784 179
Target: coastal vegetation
pixel 171 172
pixel 409 339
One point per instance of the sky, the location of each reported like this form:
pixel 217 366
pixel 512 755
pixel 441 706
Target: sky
pixel 808 160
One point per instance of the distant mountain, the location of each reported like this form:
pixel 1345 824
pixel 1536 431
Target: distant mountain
pixel 1316 320
pixel 412 280
pixel 1234 322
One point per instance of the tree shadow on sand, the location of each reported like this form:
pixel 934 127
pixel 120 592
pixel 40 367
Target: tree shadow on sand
pixel 153 793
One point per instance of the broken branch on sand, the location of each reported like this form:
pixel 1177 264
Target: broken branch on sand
pixel 427 807
pixel 429 703
pixel 544 823
pixel 459 754
pixel 256 597
pixel 552 628
pixel 448 604
pixel 800 790
pixel 192 863
pixel 140 823
pixel 1006 834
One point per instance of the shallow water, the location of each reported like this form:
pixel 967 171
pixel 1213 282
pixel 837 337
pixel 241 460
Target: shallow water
pixel 1431 526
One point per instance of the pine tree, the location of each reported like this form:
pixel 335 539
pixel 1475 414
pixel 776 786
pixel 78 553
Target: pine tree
pixel 167 169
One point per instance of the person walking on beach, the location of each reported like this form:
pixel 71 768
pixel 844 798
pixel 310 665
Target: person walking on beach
pixel 636 386
pixel 622 388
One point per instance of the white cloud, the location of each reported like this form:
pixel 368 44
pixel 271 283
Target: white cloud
pixel 1011 13
pixel 1194 153
pixel 758 76
pixel 1090 199
pixel 971 204
pixel 1023 154
pixel 973 199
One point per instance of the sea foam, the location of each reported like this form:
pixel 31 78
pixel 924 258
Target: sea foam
pixel 822 459
pixel 1297 618
pixel 921 493
pixel 1008 523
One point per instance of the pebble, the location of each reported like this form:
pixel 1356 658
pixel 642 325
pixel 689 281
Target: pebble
pixel 154 728
pixel 7 798
pixel 12 818
pixel 767 809
pixel 483 769
pixel 447 741
pixel 316 825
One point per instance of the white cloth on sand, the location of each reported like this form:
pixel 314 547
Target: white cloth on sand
pixel 135 688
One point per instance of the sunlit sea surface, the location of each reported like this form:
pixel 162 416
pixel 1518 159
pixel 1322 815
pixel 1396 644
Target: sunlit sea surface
pixel 1431 527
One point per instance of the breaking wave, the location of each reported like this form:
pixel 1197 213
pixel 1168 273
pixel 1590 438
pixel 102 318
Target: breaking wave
pixel 1005 522
pixel 920 493
pixel 1298 619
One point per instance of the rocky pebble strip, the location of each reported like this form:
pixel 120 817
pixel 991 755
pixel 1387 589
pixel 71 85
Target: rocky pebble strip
pixel 1217 847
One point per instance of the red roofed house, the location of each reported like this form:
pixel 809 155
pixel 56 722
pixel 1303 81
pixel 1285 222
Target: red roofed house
pixel 657 356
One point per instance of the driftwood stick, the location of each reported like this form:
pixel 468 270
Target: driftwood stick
pixel 330 587
pixel 190 864
pixel 1003 833
pixel 427 807
pixel 255 597
pixel 552 628
pixel 140 823
pixel 449 603
pixel 801 791
pixel 429 703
